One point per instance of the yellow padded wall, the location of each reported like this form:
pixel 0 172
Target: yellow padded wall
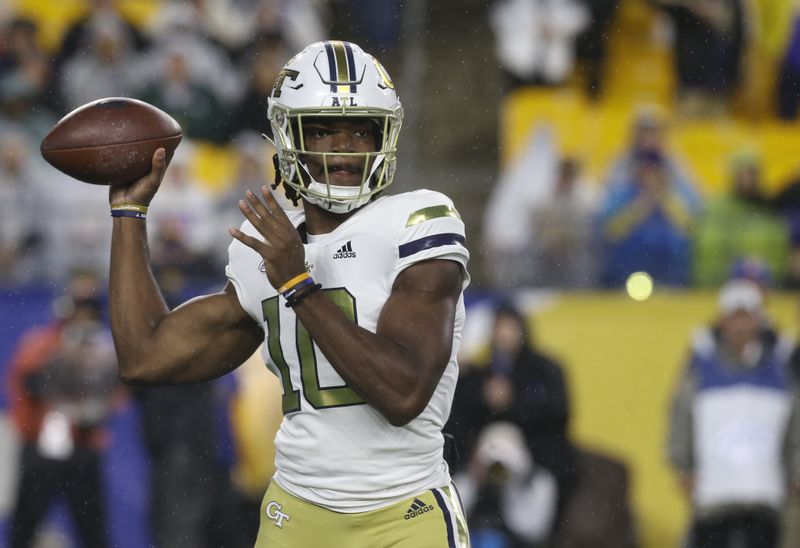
pixel 622 359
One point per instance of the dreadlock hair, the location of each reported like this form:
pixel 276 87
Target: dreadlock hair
pixel 290 192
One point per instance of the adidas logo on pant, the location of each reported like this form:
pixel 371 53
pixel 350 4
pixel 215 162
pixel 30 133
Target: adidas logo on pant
pixel 346 252
pixel 417 508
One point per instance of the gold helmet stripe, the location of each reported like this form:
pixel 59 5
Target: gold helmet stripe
pixel 342 72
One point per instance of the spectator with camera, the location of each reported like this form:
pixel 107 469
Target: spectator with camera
pixel 63 387
pixel 509 500
pixel 524 387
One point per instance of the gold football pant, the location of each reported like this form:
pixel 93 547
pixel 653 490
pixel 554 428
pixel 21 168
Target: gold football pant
pixel 431 519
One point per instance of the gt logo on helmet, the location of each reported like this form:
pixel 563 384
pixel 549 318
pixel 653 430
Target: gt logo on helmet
pixel 282 75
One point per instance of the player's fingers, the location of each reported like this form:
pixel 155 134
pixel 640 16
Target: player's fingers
pixel 281 227
pixel 273 205
pixel 253 243
pixel 255 219
pixel 159 164
pixel 263 211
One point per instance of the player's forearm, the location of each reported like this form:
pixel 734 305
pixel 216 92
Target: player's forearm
pixel 380 370
pixel 135 301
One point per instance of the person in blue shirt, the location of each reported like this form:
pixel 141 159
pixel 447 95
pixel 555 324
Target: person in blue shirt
pixel 644 225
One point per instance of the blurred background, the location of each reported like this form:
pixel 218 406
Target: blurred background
pixel 618 164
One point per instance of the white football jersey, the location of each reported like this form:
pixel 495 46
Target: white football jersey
pixel 332 448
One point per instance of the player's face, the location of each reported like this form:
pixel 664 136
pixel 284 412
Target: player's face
pixel 339 135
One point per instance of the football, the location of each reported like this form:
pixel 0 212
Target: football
pixel 110 141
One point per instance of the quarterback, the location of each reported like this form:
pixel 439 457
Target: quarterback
pixel 356 300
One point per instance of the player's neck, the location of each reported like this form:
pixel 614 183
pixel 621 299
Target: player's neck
pixel 322 221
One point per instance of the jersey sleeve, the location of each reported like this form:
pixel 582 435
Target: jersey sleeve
pixel 431 229
pixel 242 264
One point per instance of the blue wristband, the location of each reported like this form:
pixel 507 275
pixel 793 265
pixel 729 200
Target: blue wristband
pixel 297 287
pixel 128 213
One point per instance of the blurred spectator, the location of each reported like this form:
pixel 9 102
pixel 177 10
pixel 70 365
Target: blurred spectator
pixel 184 228
pixel 62 389
pixel 253 418
pixel 104 68
pixel 564 254
pixel 222 22
pixel 24 70
pixel 650 201
pixel 507 221
pixel 592 45
pixel 192 502
pixel 740 224
pixel 535 39
pixel 709 43
pixel 791 522
pixel 296 22
pixel 645 226
pixel 787 204
pixel 376 24
pixel 24 78
pixel 79 38
pixel 537 225
pixel 734 438
pixel 22 230
pixel 254 169
pixel 788 90
pixel 524 387
pixel 755 270
pixel 203 70
pixel 510 502
pixel 263 64
pixel 78 236
pixel 192 101
pixel 649 134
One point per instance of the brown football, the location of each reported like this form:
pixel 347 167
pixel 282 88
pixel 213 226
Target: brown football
pixel 110 141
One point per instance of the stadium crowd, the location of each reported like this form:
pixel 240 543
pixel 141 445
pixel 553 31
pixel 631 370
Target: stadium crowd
pixel 547 224
pixel 551 226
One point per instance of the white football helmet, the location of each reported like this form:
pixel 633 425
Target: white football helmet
pixel 335 79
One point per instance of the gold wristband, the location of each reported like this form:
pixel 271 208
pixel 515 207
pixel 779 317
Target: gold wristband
pixel 294 281
pixel 129 207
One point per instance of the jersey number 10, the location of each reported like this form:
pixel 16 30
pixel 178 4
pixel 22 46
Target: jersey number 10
pixel 319 397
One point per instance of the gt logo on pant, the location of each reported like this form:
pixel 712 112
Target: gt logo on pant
pixel 274 513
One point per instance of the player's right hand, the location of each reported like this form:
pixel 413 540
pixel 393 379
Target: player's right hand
pixel 280 246
pixel 142 190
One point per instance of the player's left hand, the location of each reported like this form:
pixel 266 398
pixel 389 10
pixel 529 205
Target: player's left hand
pixel 281 247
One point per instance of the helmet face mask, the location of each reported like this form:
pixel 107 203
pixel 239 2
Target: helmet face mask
pixel 331 81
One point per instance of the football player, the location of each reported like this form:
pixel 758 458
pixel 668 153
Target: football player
pixel 357 298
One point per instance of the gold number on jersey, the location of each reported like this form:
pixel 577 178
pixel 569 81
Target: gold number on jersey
pixel 319 397
pixel 291 397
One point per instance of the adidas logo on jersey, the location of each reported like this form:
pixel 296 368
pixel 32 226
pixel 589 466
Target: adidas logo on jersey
pixel 346 252
pixel 417 508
